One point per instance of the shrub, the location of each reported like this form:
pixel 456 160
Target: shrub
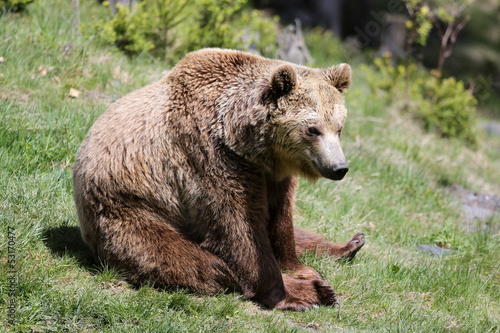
pixel 443 106
pixel 171 28
pixel 146 27
pixel 215 19
pixel 447 108
pixel 14 5
pixel 224 23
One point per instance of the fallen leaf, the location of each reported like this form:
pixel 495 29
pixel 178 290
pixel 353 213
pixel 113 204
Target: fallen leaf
pixel 2 59
pixel 42 70
pixel 67 48
pixel 56 79
pixel 73 93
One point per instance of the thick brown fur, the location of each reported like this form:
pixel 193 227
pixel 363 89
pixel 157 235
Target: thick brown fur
pixel 190 182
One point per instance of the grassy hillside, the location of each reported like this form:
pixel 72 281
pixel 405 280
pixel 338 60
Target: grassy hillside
pixel 395 192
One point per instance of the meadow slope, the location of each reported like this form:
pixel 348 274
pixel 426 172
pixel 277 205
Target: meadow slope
pixel 395 192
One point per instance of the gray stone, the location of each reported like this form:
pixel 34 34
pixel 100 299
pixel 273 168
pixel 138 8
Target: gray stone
pixel 435 250
pixel 476 206
pixel 491 127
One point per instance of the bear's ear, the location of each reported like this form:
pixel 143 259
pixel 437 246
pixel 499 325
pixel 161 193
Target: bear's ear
pixel 283 80
pixel 338 76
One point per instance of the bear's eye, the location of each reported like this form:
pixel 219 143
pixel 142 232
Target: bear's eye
pixel 313 131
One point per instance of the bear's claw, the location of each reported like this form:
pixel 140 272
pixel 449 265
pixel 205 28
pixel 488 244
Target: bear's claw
pixel 302 295
pixel 326 294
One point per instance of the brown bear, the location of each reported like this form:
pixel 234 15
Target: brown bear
pixel 190 182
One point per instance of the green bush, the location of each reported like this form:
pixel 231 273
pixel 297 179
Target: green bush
pixel 443 106
pixel 171 28
pixel 14 5
pixel 215 24
pixel 147 27
pixel 447 108
pixel 224 23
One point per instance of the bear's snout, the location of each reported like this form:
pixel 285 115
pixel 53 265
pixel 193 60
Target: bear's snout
pixel 335 172
pixel 329 159
pixel 339 170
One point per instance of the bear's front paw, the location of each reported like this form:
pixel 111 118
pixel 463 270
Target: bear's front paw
pixel 306 294
pixel 326 294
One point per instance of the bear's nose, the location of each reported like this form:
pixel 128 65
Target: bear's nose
pixel 339 170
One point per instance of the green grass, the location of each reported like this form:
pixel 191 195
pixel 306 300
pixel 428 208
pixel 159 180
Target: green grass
pixel 394 192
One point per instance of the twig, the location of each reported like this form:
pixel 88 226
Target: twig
pixel 449 34
pixel 340 307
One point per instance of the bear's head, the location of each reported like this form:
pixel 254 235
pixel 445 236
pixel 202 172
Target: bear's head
pixel 307 117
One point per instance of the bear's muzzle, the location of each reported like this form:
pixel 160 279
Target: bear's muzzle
pixel 336 172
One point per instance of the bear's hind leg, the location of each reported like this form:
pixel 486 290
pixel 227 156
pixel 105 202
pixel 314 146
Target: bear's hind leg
pixel 154 251
pixel 308 241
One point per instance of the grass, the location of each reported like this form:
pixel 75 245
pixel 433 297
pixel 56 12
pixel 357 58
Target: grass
pixel 394 192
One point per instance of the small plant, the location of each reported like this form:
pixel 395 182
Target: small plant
pixel 107 273
pixel 419 24
pixel 388 78
pixel 447 108
pixel 450 238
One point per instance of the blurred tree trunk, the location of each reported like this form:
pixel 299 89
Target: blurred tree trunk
pixel 75 24
pixel 326 13
pixel 330 12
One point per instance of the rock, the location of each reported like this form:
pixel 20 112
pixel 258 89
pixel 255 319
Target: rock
pixel 475 212
pixel 491 127
pixel 435 250
pixel 476 207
